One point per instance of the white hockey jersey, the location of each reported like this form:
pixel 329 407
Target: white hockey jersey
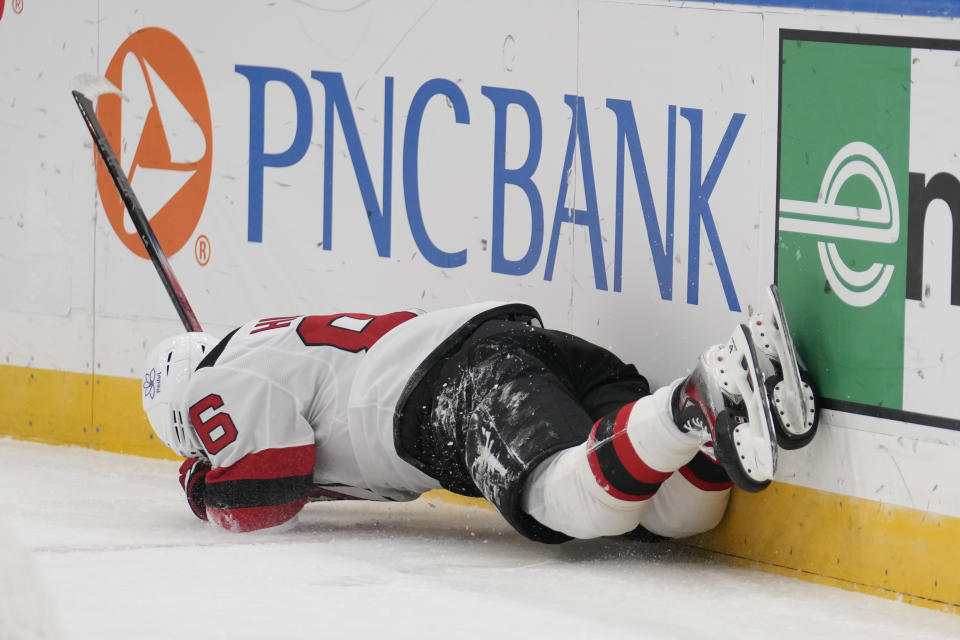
pixel 289 407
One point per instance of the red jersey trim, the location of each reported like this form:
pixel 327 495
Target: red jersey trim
pixel 267 464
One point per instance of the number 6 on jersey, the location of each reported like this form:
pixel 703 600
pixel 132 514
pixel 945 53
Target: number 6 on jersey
pixel 218 430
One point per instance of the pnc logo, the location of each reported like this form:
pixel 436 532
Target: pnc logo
pixel 162 135
pixel 830 220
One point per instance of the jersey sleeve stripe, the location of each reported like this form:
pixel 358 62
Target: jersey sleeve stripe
pixel 262 489
pixel 269 463
pixel 241 494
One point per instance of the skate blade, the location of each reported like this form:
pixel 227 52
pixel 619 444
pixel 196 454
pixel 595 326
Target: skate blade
pixel 756 439
pixel 794 402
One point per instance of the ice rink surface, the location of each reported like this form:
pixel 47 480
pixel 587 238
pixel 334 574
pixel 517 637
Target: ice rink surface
pixel 99 545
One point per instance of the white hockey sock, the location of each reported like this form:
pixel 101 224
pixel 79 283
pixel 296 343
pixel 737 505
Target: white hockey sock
pixel 601 487
pixel 682 508
pixel 655 437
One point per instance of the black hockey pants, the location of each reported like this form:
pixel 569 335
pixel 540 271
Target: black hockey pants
pixel 508 397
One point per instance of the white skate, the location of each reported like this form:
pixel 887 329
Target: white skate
pixel 725 400
pixel 788 384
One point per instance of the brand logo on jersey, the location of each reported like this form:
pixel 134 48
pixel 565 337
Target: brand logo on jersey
pixel 151 383
pixel 162 135
pixel 868 248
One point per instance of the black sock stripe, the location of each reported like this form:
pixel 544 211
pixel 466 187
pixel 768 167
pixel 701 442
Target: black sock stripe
pixel 611 466
pixel 239 494
pixel 705 469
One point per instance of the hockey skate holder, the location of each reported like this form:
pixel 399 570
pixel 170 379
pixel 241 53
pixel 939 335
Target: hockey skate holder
pixel 796 414
pixel 755 440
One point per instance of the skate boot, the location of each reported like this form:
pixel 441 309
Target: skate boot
pixel 788 384
pixel 724 401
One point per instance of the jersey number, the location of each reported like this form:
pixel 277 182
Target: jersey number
pixel 352 332
pixel 218 430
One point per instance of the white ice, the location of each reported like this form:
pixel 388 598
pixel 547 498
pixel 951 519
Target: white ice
pixel 115 553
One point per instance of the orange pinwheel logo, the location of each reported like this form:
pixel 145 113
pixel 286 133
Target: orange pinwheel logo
pixel 162 136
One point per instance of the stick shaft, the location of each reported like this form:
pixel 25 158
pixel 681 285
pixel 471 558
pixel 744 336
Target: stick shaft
pixel 144 230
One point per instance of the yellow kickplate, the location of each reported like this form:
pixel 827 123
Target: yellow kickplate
pixel 45 406
pixel 62 407
pixel 822 537
pixel 867 545
pixel 119 422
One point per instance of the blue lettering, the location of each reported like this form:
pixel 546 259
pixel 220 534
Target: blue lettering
pixel 521 177
pixel 661 247
pixel 378 208
pixel 701 188
pixel 337 101
pixel 411 181
pixel 258 77
pixel 589 217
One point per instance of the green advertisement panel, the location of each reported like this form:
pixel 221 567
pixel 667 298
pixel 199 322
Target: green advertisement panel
pixel 843 198
pixel 868 219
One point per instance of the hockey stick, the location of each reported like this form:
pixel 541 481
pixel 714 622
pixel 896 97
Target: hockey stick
pixel 97 86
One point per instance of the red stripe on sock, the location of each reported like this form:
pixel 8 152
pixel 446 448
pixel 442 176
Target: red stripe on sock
pixel 598 472
pixel 701 484
pixel 628 455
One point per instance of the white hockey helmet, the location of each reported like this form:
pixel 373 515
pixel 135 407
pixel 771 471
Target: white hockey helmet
pixel 167 372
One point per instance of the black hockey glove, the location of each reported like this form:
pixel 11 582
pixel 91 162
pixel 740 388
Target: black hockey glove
pixel 193 474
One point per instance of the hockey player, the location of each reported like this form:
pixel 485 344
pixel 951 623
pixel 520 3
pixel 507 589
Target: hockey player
pixel 561 436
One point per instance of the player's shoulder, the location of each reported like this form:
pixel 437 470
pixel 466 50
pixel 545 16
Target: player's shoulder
pixel 260 338
pixel 224 377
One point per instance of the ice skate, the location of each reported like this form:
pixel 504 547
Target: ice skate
pixel 788 385
pixel 724 401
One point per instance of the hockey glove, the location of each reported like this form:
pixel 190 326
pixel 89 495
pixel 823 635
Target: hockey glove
pixel 193 474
